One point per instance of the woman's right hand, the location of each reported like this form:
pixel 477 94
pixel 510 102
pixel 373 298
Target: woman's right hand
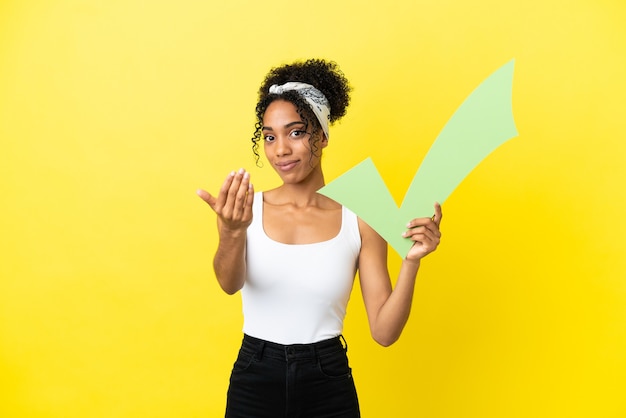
pixel 233 204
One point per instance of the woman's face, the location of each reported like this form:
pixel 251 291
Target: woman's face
pixel 287 142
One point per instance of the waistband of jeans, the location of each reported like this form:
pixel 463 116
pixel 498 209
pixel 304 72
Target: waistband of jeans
pixel 272 349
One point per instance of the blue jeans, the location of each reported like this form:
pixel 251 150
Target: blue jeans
pixel 300 380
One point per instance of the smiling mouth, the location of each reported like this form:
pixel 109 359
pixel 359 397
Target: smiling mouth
pixel 286 165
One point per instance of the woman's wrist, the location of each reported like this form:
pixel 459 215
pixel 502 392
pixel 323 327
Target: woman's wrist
pixel 412 262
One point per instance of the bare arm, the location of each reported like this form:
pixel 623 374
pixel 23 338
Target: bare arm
pixel 388 309
pixel 233 207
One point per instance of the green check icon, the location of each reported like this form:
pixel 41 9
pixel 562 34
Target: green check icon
pixel 483 122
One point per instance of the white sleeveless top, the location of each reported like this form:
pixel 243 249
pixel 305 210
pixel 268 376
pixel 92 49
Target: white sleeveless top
pixel 298 293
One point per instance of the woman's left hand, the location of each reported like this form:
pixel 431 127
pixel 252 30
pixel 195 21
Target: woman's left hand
pixel 425 234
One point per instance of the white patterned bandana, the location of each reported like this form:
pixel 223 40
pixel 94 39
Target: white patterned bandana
pixel 315 99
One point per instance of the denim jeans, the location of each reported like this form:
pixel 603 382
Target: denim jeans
pixel 301 380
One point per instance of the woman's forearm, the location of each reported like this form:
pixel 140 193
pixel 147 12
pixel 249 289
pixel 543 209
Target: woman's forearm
pixel 229 262
pixel 394 313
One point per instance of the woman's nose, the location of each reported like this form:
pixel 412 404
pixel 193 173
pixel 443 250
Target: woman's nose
pixel 283 146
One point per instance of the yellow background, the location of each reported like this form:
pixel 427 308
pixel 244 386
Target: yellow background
pixel 112 113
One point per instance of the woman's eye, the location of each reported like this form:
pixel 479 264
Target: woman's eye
pixel 268 138
pixel 297 134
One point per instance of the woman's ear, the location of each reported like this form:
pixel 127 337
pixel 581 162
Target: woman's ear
pixel 323 141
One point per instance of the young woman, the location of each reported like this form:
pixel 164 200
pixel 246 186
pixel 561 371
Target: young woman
pixel 294 254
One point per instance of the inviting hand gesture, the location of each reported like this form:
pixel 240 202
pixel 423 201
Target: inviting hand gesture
pixel 233 204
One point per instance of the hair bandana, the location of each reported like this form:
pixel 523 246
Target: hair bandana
pixel 314 98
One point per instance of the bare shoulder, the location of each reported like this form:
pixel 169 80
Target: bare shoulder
pixel 367 232
pixel 326 203
pixel 373 271
pixel 269 196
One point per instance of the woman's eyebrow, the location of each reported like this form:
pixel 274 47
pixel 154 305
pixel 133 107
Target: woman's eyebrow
pixel 298 122
pixel 289 125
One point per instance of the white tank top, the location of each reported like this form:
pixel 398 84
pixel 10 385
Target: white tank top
pixel 298 293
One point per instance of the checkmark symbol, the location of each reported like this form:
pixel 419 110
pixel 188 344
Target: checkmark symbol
pixel 483 122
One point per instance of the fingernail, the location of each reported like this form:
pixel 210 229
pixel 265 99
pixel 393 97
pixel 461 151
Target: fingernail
pixel 246 175
pixel 241 171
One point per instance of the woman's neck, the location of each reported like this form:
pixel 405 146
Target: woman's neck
pixel 300 194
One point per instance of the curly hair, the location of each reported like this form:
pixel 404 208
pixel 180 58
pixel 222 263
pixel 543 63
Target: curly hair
pixel 323 75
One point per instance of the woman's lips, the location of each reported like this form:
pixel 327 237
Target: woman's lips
pixel 286 165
